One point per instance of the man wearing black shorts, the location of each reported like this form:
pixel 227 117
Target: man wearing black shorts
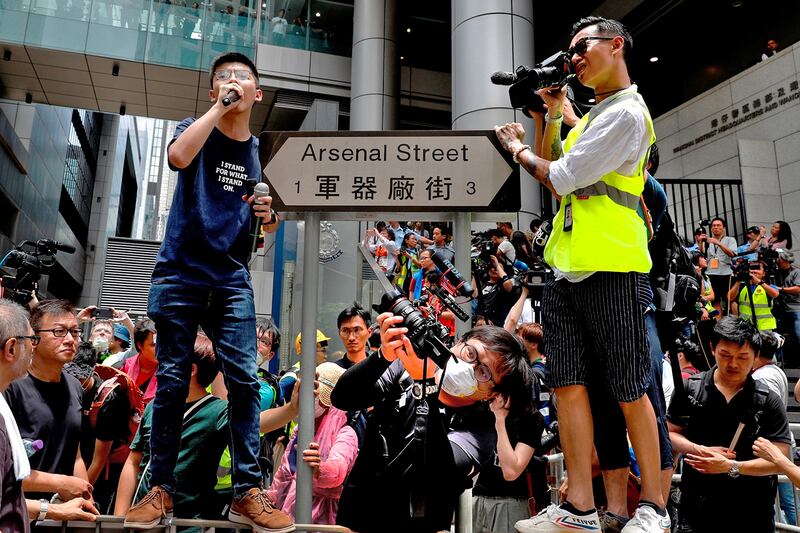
pixel 598 250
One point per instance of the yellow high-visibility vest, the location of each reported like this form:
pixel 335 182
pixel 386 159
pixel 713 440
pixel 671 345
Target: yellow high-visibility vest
pixel 606 234
pixel 764 317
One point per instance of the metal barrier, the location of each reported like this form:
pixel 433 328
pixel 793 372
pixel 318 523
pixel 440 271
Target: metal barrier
pixel 170 525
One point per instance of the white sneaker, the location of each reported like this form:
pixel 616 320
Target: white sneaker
pixel 647 520
pixel 555 519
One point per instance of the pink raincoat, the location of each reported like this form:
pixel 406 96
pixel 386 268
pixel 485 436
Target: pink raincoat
pixel 338 447
pixel 133 369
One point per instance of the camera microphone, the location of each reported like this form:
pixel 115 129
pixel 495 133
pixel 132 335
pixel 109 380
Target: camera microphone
pixel 66 248
pixel 230 98
pixel 452 275
pixel 503 78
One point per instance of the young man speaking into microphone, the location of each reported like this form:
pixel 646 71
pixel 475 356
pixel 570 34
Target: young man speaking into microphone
pixel 201 279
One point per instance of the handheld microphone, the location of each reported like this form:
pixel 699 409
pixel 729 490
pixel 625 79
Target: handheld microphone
pixel 503 78
pixel 230 98
pixel 260 191
pixel 452 275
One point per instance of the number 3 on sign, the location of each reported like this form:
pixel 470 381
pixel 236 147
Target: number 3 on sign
pixel 470 188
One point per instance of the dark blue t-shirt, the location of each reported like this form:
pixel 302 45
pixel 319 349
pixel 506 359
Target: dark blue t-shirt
pixel 207 241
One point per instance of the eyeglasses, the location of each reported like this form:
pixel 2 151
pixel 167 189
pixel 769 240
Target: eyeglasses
pixel 242 74
pixel 62 332
pixel 265 340
pixel 34 338
pixel 345 332
pixel 469 354
pixel 581 46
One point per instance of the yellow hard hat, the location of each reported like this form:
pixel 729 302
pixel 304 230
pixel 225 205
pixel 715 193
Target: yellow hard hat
pixel 320 337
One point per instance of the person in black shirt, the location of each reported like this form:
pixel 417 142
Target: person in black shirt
pixel 423 441
pixel 47 406
pixel 353 325
pixel 725 487
pixel 505 485
pixel 499 294
pixel 17 342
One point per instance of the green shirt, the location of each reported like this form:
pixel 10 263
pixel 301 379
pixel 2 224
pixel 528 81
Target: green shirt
pixel 204 437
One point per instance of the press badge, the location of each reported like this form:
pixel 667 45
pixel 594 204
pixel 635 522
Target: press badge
pixel 568 217
pixel 714 263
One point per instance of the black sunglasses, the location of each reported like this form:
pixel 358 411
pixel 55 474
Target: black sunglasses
pixel 581 45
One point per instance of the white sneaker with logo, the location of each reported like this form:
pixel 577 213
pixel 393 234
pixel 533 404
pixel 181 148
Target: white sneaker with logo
pixel 554 519
pixel 647 520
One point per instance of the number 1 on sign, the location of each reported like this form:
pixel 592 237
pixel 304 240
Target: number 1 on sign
pixel 297 183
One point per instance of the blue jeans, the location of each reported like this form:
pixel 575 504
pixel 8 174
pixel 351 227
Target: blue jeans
pixel 790 326
pixel 786 494
pixel 227 316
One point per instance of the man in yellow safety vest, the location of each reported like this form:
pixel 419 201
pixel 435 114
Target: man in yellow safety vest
pixel 598 252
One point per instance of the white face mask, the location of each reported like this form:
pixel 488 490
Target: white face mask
pixel 100 344
pixel 319 409
pixel 459 379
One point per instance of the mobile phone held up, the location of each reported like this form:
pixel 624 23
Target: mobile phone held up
pixel 103 313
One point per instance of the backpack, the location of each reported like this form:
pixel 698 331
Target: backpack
pixel 676 285
pixel 112 379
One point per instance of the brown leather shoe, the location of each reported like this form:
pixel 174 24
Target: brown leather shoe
pixel 257 511
pixel 156 505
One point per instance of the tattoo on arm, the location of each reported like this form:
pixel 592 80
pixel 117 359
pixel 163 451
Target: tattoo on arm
pixel 555 148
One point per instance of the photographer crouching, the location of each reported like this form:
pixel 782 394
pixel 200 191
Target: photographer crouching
pixel 430 430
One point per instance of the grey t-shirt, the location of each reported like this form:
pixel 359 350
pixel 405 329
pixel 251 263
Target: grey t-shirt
pixel 791 301
pixel 719 264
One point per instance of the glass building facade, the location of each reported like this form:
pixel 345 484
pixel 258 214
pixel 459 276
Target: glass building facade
pixel 180 33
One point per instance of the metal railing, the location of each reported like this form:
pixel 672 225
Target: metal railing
pixel 170 525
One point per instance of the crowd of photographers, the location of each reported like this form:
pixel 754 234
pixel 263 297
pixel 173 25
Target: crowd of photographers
pixel 757 280
pixel 93 375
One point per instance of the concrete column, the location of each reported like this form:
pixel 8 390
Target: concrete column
pixel 491 35
pixel 375 75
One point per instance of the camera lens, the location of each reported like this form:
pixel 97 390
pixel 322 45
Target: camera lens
pixel 399 305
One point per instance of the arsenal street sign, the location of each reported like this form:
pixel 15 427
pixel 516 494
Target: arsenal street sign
pixel 389 170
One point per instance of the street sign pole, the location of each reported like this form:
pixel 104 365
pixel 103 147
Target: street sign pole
pixel 308 363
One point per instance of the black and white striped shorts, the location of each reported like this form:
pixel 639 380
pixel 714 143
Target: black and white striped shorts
pixel 600 317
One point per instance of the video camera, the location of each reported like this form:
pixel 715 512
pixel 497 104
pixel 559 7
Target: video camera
pixel 533 278
pixel 740 265
pixel 525 81
pixel 29 260
pixel 481 253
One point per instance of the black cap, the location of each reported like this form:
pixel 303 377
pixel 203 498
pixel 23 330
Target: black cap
pixel 753 229
pixel 700 231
